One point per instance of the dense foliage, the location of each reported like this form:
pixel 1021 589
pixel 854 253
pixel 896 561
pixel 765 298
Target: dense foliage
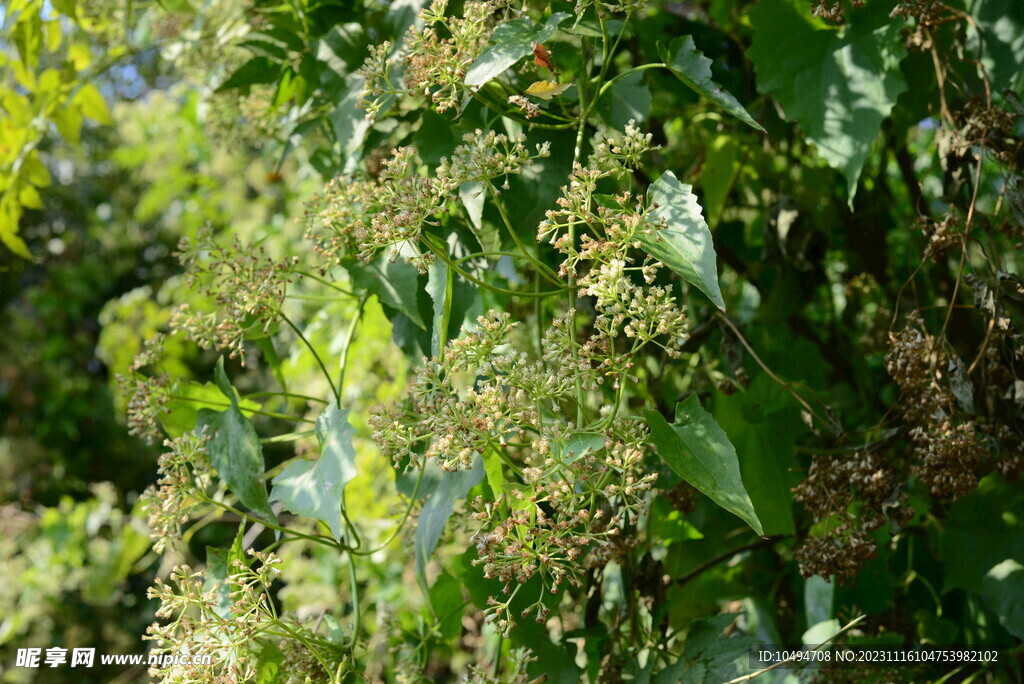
pixel 502 341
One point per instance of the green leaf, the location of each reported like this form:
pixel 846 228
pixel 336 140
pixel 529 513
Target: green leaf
pixel 685 244
pixel 396 284
pixel 447 605
pixel 235 449
pixel 349 123
pixel 708 654
pixel 453 297
pixel 983 529
pixel 694 69
pixel 218 566
pixel 440 286
pixel 628 99
pixel 256 71
pixel 511 42
pixel 314 488
pixel 763 423
pixel 495 472
pixel 91 104
pixel 698 450
pixel 437 510
pixel 1004 586
pixel 723 157
pixel 189 397
pixel 580 443
pixel 839 86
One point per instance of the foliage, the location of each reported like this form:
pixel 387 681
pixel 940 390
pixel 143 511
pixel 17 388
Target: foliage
pixel 539 233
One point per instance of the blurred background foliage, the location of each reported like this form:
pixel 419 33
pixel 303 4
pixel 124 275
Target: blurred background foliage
pixel 128 126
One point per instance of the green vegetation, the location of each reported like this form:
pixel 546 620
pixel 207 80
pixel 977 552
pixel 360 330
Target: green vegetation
pixel 501 341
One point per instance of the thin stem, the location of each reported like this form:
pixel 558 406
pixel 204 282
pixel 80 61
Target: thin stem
pixel 328 283
pixel 349 334
pixel 355 600
pixel 401 523
pixel 320 362
pixel 543 268
pixel 487 286
pixel 266 523
pixel 268 414
pixel 289 395
pixel 616 77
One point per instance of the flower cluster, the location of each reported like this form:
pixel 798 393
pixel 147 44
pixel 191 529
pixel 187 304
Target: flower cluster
pixel 947 449
pixel 434 59
pixel 569 492
pixel 148 393
pixel 363 218
pixel 184 472
pixel 247 285
pixel 600 239
pixel 850 496
pixel 622 153
pixel 226 619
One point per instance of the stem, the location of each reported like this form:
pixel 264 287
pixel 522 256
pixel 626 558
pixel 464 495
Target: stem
pixel 323 368
pixel 542 268
pixel 266 523
pixel 355 600
pixel 307 274
pixel 401 523
pixel 616 77
pixel 487 286
pixel 289 395
pixel 212 402
pixel 348 342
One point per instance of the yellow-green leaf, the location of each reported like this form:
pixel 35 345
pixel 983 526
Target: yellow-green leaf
pixel 546 90
pixel 92 105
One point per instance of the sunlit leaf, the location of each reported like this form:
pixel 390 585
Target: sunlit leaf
pixel 694 69
pixel 699 451
pixel 546 90
pixel 511 42
pixel 685 245
pixel 314 488
pixel 839 85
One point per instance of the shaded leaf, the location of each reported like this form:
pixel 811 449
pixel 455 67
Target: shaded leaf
pixel 763 424
pixel 439 507
pixel 839 86
pixel 511 42
pixel 314 488
pixel 694 69
pixel 257 70
pixel 708 654
pixel 1004 587
pixel 698 450
pixel 685 244
pixel 396 284
pixel 235 450
pixel 628 99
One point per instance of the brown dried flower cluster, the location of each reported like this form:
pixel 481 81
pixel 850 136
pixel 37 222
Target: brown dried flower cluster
pixel 947 450
pixel 849 497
